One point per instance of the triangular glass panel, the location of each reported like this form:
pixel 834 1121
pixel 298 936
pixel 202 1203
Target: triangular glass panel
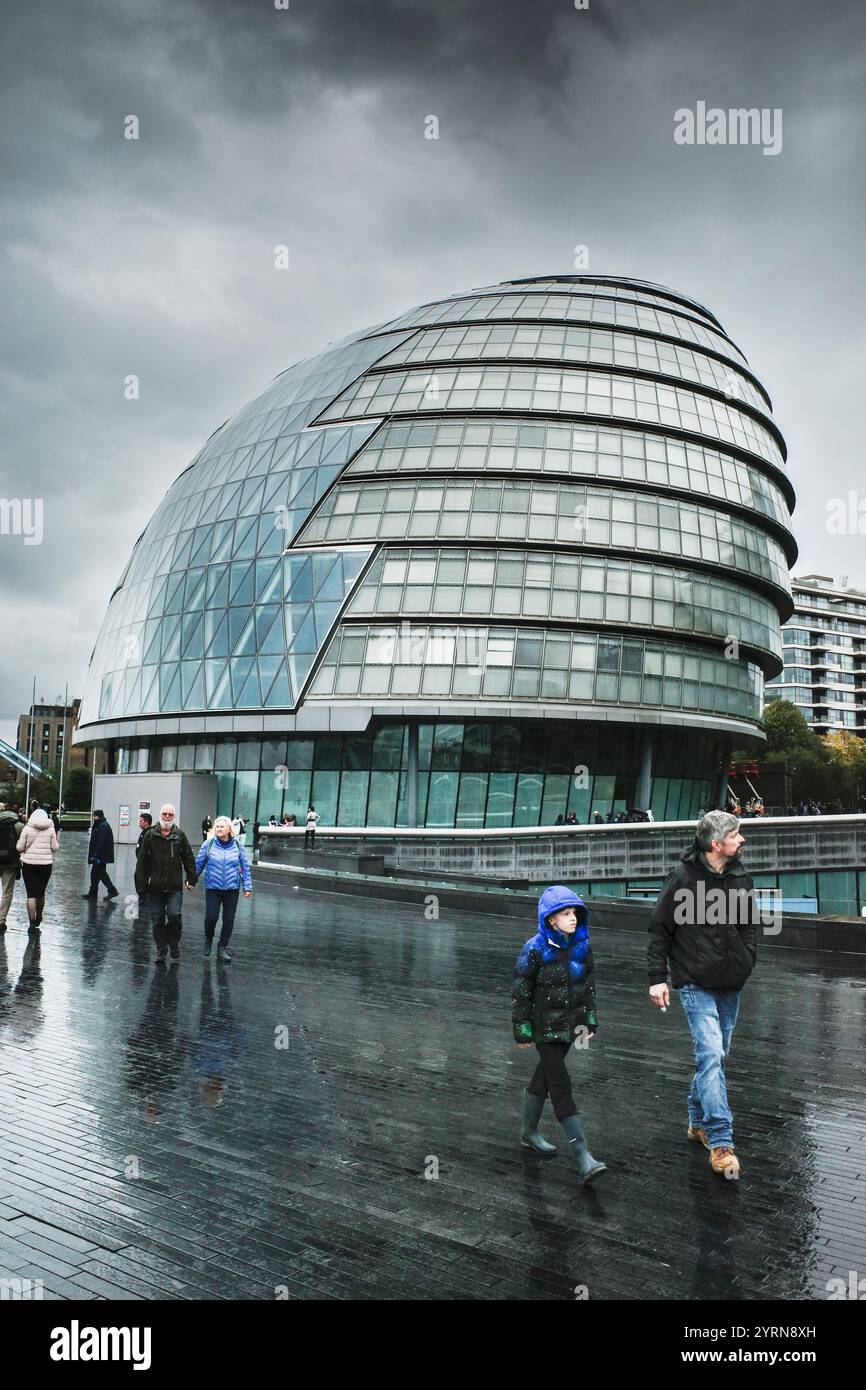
pixel 323 564
pixel 275 641
pixel 221 542
pixel 182 550
pixel 150 685
pixel 299 578
pixel 195 588
pixel 174 593
pixel 305 641
pixel 169 687
pixel 213 672
pixel 222 696
pixel 238 618
pixel 193 637
pixel 200 551
pixel 245 539
pixel 240 669
pixel 326 614
pixel 332 587
pixel 231 498
pixel 264 622
pixel 189 670
pixel 217 578
pixel 242 584
pixel 269 578
pixel 280 693
pixel 253 491
pixel 272 534
pixel 246 643
pixel 217 640
pixel 296 615
pixel 251 695
pixel 299 665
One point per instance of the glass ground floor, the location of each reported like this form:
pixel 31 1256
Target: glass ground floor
pixel 470 775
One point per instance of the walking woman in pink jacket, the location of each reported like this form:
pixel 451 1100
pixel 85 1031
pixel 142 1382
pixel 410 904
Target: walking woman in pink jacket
pixel 37 846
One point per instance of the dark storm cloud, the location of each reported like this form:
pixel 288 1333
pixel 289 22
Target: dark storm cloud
pixel 306 126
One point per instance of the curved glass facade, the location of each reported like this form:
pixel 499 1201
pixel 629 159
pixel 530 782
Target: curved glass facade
pixel 556 502
pixel 592 451
pixel 544 343
pixel 610 310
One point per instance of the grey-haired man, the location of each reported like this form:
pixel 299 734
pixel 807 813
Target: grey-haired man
pixel 704 926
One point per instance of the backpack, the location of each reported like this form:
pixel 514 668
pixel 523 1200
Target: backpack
pixel 8 841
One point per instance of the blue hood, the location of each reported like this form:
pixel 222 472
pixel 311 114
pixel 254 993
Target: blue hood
pixel 554 899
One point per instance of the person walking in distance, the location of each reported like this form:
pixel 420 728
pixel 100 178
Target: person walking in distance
pixel 100 854
pixel 164 859
pixel 312 821
pixel 553 1001
pixel 704 925
pixel 206 828
pixel 226 871
pixel 37 845
pixel 145 821
pixel 10 862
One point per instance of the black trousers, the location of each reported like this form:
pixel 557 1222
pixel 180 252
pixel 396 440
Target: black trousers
pixel 309 836
pixel 214 899
pixel 551 1078
pixel 99 874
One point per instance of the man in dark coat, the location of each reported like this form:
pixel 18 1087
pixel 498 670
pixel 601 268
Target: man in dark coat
pixel 100 853
pixel 704 924
pixel 163 859
pixel 145 821
pixel 11 829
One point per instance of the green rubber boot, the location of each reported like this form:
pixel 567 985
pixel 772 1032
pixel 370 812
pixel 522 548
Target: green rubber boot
pixel 529 1135
pixel 587 1166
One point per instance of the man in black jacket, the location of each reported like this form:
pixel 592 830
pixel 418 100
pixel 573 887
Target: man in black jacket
pixel 100 853
pixel 164 856
pixel 704 925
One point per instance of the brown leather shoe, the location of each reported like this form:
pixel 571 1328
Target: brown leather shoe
pixel 725 1161
pixel 697 1135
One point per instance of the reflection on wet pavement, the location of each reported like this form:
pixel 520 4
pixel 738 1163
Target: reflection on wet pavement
pixel 333 1115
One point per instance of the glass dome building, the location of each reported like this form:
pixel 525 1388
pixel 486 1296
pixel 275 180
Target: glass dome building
pixel 520 551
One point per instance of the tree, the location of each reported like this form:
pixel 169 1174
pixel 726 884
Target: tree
pixel 805 757
pixel 786 728
pixel 78 789
pixel 848 757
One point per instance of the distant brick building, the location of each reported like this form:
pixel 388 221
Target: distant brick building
pixel 47 739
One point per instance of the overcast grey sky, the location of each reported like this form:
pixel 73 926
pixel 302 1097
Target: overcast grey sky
pixel 306 127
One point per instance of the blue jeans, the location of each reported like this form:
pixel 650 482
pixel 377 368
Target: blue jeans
pixel 165 910
pixel 711 1017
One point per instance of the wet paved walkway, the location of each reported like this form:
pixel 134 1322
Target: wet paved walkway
pixel 158 1140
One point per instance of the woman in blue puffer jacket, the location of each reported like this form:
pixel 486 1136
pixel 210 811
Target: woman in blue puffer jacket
pixel 226 871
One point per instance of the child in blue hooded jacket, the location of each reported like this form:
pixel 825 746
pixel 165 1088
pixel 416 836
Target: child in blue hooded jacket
pixel 553 999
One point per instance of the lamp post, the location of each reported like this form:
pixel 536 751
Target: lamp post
pixel 63 749
pixel 30 744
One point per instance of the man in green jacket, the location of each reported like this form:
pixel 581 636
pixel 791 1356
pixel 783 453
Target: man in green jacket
pixel 164 857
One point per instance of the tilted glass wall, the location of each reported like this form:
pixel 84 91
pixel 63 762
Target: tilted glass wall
pixel 417 661
pixel 571 513
pixel 547 343
pixel 539 584
pixel 567 391
pixel 480 445
pixel 610 309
